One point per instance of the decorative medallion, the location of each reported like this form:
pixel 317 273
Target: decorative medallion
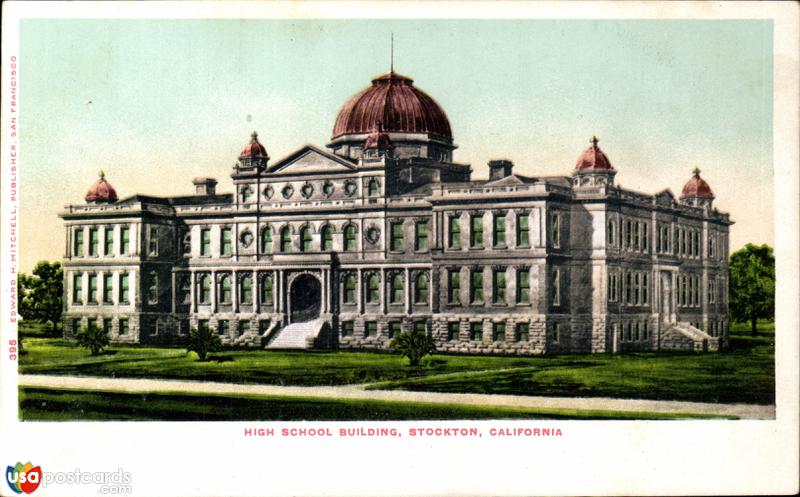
pixel 268 192
pixel 246 238
pixel 373 235
pixel 350 187
pixel 327 188
pixel 307 190
pixel 287 191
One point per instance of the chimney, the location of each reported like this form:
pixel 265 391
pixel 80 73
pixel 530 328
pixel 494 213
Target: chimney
pixel 500 168
pixel 204 186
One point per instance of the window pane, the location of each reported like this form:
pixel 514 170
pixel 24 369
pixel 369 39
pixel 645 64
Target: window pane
pixel 454 240
pixel 397 237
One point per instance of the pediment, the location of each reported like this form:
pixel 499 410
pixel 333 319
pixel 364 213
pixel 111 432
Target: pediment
pixel 665 197
pixel 311 160
pixel 512 180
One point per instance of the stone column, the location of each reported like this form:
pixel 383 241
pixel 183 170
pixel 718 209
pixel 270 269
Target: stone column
pixel 193 290
pixel 360 288
pixel 213 291
pixel 384 289
pixel 255 291
pixel 235 292
pixel 323 287
pixel 407 290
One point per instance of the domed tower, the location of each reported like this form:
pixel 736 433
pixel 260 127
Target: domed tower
pixel 410 118
pixel 696 191
pixel 593 168
pixel 253 155
pixel 101 192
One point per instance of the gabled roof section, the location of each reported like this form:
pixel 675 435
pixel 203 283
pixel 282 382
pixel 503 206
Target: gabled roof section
pixel 514 179
pixel 311 160
pixel 665 197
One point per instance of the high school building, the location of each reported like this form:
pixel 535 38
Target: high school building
pixel 382 232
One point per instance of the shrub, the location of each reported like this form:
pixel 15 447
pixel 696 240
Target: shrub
pixel 202 342
pixel 93 338
pixel 414 344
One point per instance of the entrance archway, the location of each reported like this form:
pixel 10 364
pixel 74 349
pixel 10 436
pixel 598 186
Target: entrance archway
pixel 305 299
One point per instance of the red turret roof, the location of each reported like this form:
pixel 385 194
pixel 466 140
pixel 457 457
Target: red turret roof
pixel 593 158
pixel 101 191
pixel 696 187
pixel 253 149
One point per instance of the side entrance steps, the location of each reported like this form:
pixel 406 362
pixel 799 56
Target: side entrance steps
pixel 683 336
pixel 297 335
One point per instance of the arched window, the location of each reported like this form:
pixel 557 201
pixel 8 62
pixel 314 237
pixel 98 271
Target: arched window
pixel 372 188
pixel 305 239
pixel 398 288
pixel 350 238
pixel 421 289
pixel 610 232
pixel 286 239
pixel 205 289
pixel 372 288
pixel 246 294
pixel 266 240
pixel 266 289
pixel 327 238
pixel 350 289
pixel 225 290
pixel 152 290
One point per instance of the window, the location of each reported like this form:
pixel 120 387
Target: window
pixel 350 238
pixel 244 326
pixel 476 286
pixel 77 288
pixel 305 239
pixel 350 288
pixel 613 281
pixel 124 289
pixel 108 288
pixel 92 288
pixel 225 289
pixel 152 240
pixel 108 241
pixel 397 237
pixel 523 230
pixel 628 287
pixel 710 245
pixel 91 323
pixel 327 238
pixel 637 241
pixel 453 329
pixel 454 236
pixel 499 234
pixel 610 226
pixel 555 227
pixel 454 289
pixel 626 226
pixel 398 289
pixel 636 331
pixel 556 286
pixel 286 239
pixel 372 188
pixel 204 296
pixel 263 326
pixel 347 328
pixel 123 326
pixel 645 288
pixel 246 294
pixel 394 328
pixel 499 286
pixel 93 241
pixel 476 331
pixel 246 193
pixel 645 331
pixel 370 329
pixel 266 289
pixel 555 332
pixel 523 332
pixel 421 289
pixel 205 242
pixel 523 286
pixel 421 241
pixel 266 240
pixel 636 289
pixel 78 243
pixel 646 237
pixel 372 288
pixel 712 292
pixel 223 327
pixel 420 327
pixel 226 243
pixel 476 231
pixel 202 325
pixel 499 332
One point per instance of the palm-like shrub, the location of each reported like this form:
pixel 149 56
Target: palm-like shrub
pixel 202 342
pixel 93 338
pixel 413 344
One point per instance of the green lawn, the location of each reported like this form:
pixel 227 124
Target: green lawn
pixel 41 404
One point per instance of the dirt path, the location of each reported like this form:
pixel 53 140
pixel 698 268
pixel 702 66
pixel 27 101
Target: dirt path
pixel 745 411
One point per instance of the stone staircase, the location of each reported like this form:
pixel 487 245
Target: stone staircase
pixel 297 335
pixel 683 336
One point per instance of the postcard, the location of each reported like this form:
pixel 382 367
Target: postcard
pixel 399 248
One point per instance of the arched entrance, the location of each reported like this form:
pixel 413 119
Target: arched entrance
pixel 305 299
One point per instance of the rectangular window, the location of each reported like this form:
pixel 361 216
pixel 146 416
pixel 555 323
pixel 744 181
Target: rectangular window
pixel 224 327
pixel 226 242
pixel 349 288
pixel 499 332
pixel 645 331
pixel 612 286
pixel 123 326
pixel 476 231
pixel 712 292
pixel 92 288
pixel 454 290
pixel 108 241
pixel 421 236
pixel 398 289
pixel 153 241
pixel 628 233
pixel 454 236
pixel 108 288
pixel 523 332
pixel 125 240
pixel 476 331
pixel 91 323
pixel 266 289
pixel 523 230
pixel 555 227
pixel 77 288
pixel 523 286
pixel 499 230
pixel 645 237
pixel 394 328
pixel 202 325
pixel 124 289
pixel 476 286
pixel 93 241
pixel 636 332
pixel 371 329
pixel 78 243
pixel 637 241
pixel 499 287
pixel 556 297
pixel 419 327
pixel 555 332
pixel 347 328
pixel 637 289
pixel 244 326
pixel 396 244
pixel 205 242
pixel 453 329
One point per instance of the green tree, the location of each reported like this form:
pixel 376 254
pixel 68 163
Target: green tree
pixel 202 342
pixel 415 345
pixel 752 284
pixel 93 338
pixel 40 295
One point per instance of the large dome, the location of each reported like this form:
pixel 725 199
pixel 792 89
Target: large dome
pixel 395 103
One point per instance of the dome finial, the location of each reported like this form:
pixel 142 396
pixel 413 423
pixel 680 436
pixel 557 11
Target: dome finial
pixel 696 171
pixel 254 135
pixel 594 141
pixel 102 174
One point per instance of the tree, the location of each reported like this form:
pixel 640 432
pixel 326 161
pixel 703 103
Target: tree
pixel 93 338
pixel 415 345
pixel 752 287
pixel 202 342
pixel 40 296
